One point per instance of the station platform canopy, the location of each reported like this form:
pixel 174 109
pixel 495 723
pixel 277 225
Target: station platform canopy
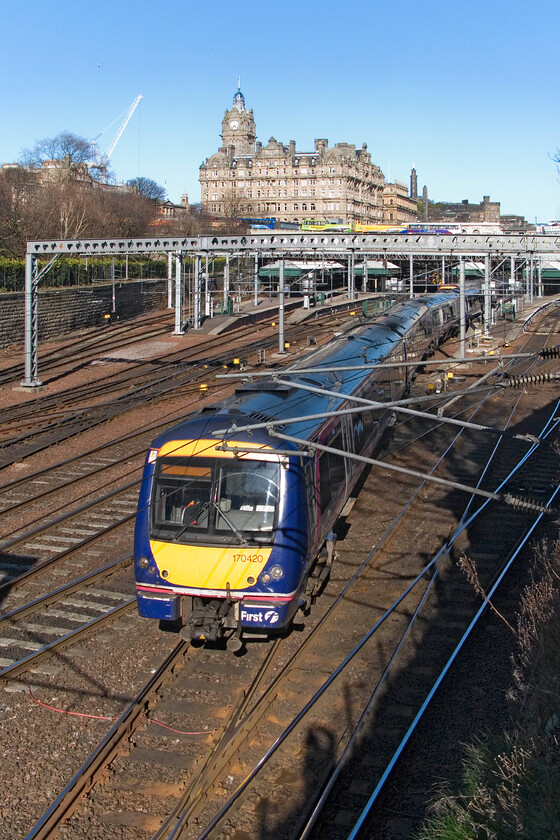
pixel 297 268
pixel 472 269
pixel 549 269
pixel 377 268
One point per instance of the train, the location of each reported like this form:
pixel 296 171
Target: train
pixel 420 228
pixel 234 528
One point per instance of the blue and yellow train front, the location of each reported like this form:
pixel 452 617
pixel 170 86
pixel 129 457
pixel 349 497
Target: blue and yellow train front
pixel 221 541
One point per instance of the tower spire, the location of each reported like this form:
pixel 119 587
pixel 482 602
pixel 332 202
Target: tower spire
pixel 239 99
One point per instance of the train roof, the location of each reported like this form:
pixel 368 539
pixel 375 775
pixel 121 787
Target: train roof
pixel 278 397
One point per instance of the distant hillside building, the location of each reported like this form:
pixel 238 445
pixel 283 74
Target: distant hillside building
pixel 398 206
pixel 464 211
pixel 245 179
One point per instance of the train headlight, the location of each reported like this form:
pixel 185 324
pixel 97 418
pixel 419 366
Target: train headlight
pixel 276 572
pixel 143 562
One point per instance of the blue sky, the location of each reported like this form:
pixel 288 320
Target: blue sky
pixel 466 92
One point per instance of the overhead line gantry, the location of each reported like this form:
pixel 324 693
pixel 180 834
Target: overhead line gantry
pixel 280 245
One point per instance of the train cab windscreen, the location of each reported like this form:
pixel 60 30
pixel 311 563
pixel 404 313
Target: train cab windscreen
pixel 213 500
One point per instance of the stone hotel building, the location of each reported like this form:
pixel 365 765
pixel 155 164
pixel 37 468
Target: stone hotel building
pixel 245 179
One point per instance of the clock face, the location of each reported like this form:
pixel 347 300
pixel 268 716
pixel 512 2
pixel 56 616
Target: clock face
pixel 233 124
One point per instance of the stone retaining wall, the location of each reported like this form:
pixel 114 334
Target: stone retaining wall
pixel 62 311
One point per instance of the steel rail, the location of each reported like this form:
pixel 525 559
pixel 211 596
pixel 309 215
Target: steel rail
pixel 439 558
pixel 286 732
pixel 181 818
pixel 63 555
pixel 466 634
pixel 67 589
pixel 293 662
pixel 106 751
pixel 73 636
pixel 239 724
pixel 320 692
pixel 52 523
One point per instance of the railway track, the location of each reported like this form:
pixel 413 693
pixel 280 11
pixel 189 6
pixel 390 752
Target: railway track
pixel 294 716
pixel 90 498
pixel 53 419
pixel 53 622
pixel 99 340
pixel 169 791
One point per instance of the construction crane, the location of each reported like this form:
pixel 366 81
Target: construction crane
pixel 99 162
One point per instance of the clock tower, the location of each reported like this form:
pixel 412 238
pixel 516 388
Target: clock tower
pixel 238 127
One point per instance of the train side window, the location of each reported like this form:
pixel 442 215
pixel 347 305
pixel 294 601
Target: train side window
pixel 359 436
pixel 332 471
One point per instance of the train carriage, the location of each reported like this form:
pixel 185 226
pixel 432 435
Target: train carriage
pixel 234 527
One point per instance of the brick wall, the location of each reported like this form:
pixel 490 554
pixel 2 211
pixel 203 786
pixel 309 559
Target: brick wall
pixel 63 311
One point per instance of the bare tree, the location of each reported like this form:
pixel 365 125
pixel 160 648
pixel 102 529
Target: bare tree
pixel 68 155
pixel 148 188
pixel 18 191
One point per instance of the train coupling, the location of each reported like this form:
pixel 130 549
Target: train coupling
pixel 209 619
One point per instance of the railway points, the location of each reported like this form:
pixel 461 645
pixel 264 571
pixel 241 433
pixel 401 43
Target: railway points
pixel 302 763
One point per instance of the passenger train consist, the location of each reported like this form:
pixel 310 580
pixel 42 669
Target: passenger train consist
pixel 234 528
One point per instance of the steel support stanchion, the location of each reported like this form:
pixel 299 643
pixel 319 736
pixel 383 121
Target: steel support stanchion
pixel 462 319
pixel 487 296
pixel 281 348
pixel 178 297
pixel 197 295
pixel 226 282
pixel 170 281
pixel 31 322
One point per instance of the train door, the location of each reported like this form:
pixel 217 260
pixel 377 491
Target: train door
pixel 398 374
pixel 311 484
pixel 332 467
